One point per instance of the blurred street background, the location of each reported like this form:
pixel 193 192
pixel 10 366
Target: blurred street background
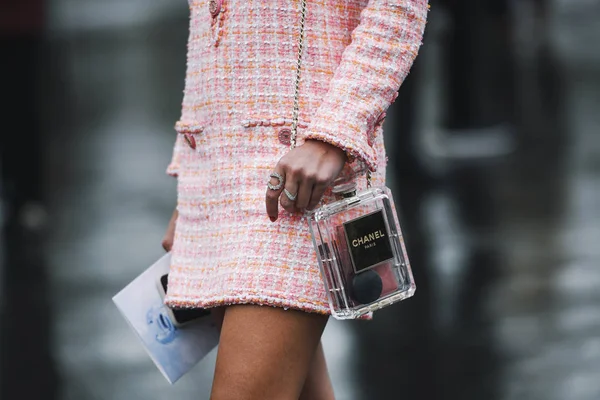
pixel 494 148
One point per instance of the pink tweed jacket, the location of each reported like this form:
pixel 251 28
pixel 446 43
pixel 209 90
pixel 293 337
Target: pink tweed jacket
pixel 235 124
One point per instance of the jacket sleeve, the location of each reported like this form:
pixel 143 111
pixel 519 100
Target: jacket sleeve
pixel 373 66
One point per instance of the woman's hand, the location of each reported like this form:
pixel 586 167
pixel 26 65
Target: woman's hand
pixel 307 171
pixel 167 242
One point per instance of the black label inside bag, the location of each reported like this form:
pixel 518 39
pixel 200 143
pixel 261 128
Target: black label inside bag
pixel 368 241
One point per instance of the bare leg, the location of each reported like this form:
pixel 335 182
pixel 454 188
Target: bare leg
pixel 318 385
pixel 265 353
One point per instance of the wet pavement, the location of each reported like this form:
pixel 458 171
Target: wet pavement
pixel 505 254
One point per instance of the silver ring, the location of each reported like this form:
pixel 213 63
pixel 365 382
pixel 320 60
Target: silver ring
pixel 279 178
pixel 290 196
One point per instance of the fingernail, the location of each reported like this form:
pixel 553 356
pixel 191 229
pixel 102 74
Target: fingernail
pixel 273 219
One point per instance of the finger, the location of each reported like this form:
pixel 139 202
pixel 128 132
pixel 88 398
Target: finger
pixel 304 194
pixel 317 194
pixel 167 242
pixel 272 196
pixel 291 185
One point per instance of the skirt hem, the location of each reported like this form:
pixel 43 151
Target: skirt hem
pixel 178 302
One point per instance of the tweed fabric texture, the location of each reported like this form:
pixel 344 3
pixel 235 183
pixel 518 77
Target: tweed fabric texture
pixel 239 94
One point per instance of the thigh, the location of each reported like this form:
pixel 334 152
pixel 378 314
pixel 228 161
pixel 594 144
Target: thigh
pixel 265 352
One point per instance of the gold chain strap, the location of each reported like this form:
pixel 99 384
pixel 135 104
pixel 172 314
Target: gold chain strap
pixel 297 84
pixel 298 70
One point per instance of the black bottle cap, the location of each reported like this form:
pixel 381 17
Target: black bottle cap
pixel 366 287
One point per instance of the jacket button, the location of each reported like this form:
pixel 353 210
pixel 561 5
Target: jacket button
pixel 285 136
pixel 191 141
pixel 214 6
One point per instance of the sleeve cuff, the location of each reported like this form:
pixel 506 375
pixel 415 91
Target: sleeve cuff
pixel 353 141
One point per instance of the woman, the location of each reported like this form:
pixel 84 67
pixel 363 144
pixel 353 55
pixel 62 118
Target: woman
pixel 234 249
